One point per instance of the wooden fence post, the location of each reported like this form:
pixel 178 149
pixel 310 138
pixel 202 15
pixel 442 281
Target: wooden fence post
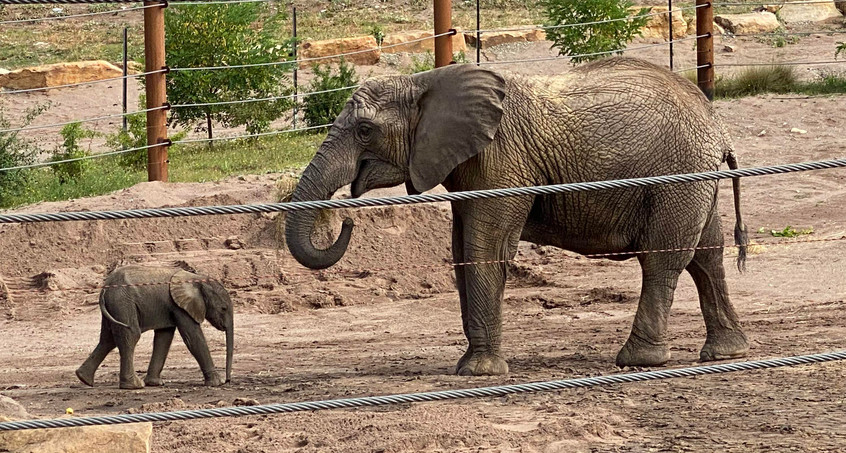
pixel 154 60
pixel 443 24
pixel 705 47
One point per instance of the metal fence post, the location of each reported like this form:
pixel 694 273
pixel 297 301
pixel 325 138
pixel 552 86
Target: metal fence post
pixel 443 24
pixel 296 67
pixel 478 33
pixel 125 74
pixel 154 60
pixel 670 19
pixel 705 47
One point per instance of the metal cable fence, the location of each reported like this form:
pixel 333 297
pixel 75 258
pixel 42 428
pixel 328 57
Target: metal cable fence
pixel 443 395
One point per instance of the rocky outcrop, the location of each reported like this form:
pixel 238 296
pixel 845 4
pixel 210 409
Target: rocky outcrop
pixel 496 38
pixel 52 75
pixel 658 27
pixel 757 22
pixel 810 12
pixel 130 438
pixel 393 42
pixel 366 48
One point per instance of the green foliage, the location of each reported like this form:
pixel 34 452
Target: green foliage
pixel 378 32
pixel 323 108
pixel 757 80
pixel 228 35
pixel 135 136
pixel 841 47
pixel 426 62
pixel 589 39
pixel 16 151
pixel 788 232
pixel 70 149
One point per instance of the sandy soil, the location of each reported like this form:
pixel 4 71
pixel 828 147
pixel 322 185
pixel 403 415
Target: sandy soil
pixel 386 318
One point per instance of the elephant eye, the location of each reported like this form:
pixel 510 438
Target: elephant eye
pixel 364 130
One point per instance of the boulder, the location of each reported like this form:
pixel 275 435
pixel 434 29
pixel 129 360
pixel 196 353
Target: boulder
pixel 130 438
pixel 496 38
pixel 367 47
pixel 810 12
pixel 757 22
pixel 390 43
pixel 659 27
pixel 11 409
pixel 691 28
pixel 59 74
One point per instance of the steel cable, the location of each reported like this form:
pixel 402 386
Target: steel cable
pixel 443 395
pixel 72 16
pixel 423 198
pixel 70 85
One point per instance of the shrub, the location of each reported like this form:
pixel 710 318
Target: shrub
pixel 135 136
pixel 323 108
pixel 70 149
pixel 426 61
pixel 16 151
pixel 230 35
pixel 589 39
pixel 757 80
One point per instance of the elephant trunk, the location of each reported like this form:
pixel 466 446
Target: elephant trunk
pixel 230 346
pixel 320 180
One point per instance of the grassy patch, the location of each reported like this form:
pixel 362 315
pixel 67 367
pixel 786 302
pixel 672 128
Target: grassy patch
pixel 788 232
pixel 188 163
pixel 772 79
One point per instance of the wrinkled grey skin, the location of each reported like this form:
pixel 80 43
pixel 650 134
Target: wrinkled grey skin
pixel 128 311
pixel 470 128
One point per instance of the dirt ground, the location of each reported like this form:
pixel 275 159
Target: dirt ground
pixel 386 318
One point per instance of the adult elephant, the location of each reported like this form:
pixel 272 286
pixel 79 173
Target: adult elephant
pixel 471 128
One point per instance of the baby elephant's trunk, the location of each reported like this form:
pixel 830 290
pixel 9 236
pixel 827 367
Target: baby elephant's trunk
pixel 230 339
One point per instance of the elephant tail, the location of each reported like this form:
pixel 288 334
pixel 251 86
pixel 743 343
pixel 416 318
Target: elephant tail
pixel 741 236
pixel 105 312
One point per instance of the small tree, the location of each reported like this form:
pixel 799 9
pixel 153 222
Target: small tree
pixel 227 35
pixel 589 39
pixel 323 108
pixel 71 135
pixel 16 151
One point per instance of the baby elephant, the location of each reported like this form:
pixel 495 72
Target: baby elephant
pixel 140 298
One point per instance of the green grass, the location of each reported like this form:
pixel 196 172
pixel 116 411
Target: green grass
pixel 189 163
pixel 772 79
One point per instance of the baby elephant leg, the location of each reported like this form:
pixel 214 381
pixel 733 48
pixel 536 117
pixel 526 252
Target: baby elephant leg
pixel 86 371
pixel 192 334
pixel 126 339
pixel 161 345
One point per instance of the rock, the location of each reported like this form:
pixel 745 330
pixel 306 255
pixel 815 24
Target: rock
pixel 130 438
pixel 134 67
pixel 691 28
pixel 59 74
pixel 796 130
pixel 769 8
pixel 811 12
pixel 729 48
pixel 245 402
pixel 233 243
pixel 316 49
pixel 458 44
pixel 11 409
pixel 758 22
pixel 491 39
pixel 659 27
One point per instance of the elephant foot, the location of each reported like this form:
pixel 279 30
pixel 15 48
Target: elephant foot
pixel 731 344
pixel 483 364
pixel 153 381
pixel 86 377
pixel 133 384
pixel 214 381
pixel 637 352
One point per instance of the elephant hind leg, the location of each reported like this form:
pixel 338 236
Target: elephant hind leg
pixel 647 344
pixel 725 338
pixel 86 371
pixel 126 339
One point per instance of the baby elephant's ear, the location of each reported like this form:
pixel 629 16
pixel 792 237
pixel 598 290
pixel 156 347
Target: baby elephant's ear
pixel 185 291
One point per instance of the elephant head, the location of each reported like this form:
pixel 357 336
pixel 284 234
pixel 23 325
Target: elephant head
pixel 206 299
pixel 398 129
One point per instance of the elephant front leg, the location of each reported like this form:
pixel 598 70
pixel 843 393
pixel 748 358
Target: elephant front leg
pixel 487 243
pixel 161 345
pixel 192 335
pixel 460 283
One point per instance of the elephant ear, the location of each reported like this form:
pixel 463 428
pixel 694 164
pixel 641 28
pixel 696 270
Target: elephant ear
pixel 185 292
pixel 459 110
